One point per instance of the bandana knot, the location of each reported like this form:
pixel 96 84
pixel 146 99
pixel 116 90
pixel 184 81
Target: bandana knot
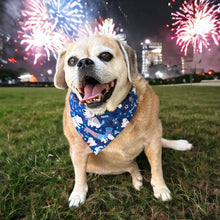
pixel 99 130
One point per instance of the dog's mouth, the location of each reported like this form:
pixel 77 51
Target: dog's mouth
pixel 94 93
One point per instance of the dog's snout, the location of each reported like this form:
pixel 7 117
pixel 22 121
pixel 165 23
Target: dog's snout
pixel 84 63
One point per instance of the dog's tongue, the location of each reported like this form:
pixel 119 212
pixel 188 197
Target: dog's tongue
pixel 92 91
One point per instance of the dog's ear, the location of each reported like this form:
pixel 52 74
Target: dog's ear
pixel 59 78
pixel 130 59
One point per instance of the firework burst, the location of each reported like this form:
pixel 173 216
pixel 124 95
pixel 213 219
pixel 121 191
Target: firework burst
pixel 195 24
pixel 34 15
pixel 48 25
pixel 106 26
pixel 44 42
pixel 66 15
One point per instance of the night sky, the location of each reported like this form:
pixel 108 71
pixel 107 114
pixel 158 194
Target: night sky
pixel 146 18
pixel 139 19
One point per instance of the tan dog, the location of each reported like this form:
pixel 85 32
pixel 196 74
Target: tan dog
pixel 101 71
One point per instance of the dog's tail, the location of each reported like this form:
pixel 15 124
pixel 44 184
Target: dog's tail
pixel 180 145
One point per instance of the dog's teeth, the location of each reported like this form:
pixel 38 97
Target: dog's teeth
pixel 107 88
pixel 99 98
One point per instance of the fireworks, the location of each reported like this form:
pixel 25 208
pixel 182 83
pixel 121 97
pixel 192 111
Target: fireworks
pixel 48 25
pixel 34 15
pixel 107 26
pixel 66 15
pixel 44 42
pixel 196 23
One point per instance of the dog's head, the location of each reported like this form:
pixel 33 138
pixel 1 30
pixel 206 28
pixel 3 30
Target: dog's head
pixel 99 70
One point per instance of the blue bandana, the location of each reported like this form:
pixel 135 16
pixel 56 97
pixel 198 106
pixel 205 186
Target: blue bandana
pixel 99 130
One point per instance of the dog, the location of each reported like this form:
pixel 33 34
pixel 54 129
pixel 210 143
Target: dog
pixel 101 75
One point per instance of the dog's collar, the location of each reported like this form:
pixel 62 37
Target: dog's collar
pixel 99 130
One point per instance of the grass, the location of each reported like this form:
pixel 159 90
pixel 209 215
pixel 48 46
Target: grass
pixel 36 173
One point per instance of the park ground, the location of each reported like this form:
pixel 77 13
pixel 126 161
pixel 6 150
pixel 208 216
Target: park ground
pixel 36 173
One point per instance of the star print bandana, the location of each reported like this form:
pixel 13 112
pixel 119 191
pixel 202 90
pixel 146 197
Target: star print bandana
pixel 99 130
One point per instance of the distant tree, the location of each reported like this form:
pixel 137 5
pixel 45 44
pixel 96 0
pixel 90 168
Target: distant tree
pixel 6 74
pixel 21 71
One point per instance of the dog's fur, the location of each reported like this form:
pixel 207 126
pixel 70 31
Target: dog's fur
pixel 143 132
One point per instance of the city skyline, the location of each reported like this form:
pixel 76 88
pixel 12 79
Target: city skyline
pixel 138 20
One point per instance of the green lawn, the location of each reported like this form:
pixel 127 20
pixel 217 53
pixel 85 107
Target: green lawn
pixel 36 173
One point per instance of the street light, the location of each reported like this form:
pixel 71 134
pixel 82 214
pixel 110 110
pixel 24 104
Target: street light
pixel 49 71
pixel 147 41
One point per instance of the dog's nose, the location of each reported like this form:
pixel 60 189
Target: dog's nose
pixel 84 63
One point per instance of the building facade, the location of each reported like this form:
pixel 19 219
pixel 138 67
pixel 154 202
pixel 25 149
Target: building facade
pixel 151 55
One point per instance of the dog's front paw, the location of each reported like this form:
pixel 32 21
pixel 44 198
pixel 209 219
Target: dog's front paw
pixel 75 200
pixel 162 193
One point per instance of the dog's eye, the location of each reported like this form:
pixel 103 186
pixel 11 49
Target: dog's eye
pixel 72 61
pixel 105 56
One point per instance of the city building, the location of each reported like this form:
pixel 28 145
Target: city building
pixel 186 65
pixel 151 56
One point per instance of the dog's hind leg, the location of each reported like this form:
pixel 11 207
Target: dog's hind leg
pixel 137 178
pixel 180 145
pixel 99 165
